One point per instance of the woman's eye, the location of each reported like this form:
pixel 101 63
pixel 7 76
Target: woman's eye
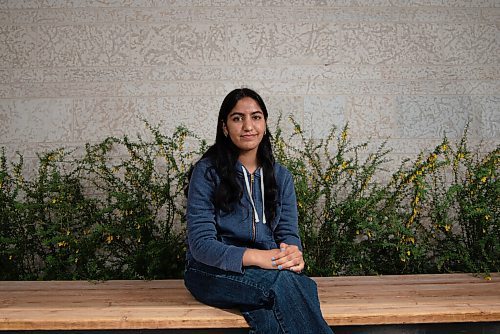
pixel 236 118
pixel 257 117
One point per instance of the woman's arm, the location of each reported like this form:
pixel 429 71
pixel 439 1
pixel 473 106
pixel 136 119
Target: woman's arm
pixel 261 258
pixel 287 230
pixel 201 227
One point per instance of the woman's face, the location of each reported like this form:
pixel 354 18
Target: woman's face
pixel 245 125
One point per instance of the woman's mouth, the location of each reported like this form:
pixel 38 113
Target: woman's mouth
pixel 249 136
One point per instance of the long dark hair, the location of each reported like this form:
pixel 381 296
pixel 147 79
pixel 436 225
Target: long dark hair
pixel 224 154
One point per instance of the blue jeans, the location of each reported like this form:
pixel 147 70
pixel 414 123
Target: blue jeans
pixel 272 301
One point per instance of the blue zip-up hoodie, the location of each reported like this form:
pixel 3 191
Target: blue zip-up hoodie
pixel 219 239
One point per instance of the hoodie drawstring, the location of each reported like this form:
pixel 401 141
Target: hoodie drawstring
pixel 247 184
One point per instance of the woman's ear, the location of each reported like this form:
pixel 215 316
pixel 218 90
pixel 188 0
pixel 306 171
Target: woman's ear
pixel 224 129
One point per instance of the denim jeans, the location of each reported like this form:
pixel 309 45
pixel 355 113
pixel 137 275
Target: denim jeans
pixel 272 301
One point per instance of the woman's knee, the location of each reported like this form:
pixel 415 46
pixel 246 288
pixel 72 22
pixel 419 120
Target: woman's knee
pixel 288 280
pixel 225 291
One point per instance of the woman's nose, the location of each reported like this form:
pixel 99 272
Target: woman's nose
pixel 247 124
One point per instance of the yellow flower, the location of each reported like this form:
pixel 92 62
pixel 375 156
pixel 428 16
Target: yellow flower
pixel 444 147
pixel 344 135
pixel 62 244
pixel 487 217
pixel 412 240
pixel 344 165
pixel 488 278
pixel 10 257
pixel 460 155
pixel 483 179
pixel 447 227
pixel 109 239
pixel 408 253
pixel 410 221
pixel 54 201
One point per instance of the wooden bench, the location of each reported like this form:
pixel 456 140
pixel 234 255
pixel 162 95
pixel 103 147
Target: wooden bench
pixel 166 304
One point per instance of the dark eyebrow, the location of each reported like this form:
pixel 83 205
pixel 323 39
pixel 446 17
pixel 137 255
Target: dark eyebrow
pixel 235 113
pixel 242 114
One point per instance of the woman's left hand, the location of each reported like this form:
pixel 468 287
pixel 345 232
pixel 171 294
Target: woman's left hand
pixel 289 258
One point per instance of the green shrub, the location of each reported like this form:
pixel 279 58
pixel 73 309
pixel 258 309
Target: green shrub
pixel 116 210
pixel 438 213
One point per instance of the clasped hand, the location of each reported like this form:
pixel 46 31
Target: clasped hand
pixel 288 257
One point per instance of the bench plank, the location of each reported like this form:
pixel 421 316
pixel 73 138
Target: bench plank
pixel 359 300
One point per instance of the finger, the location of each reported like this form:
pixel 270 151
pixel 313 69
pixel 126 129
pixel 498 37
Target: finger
pixel 298 268
pixel 283 251
pixel 291 263
pixel 283 258
pixel 292 249
pixel 288 249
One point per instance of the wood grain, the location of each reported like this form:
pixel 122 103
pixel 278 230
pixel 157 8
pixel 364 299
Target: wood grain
pixel 363 300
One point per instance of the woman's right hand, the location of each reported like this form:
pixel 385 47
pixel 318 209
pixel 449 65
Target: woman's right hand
pixel 290 257
pixel 260 258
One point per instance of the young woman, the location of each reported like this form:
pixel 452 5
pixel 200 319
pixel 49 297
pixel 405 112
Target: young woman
pixel 244 247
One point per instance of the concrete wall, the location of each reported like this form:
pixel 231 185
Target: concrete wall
pixel 408 71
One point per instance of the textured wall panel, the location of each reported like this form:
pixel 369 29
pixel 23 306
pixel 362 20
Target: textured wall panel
pixel 18 46
pixel 96 119
pixel 50 16
pixel 364 43
pixel 177 44
pixel 408 72
pixel 280 108
pixel 5 76
pixel 372 117
pixel 79 75
pixel 36 120
pixel 489 109
pixel 321 113
pixel 436 116
pixel 83 45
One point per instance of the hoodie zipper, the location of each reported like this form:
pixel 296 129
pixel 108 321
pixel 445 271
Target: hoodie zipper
pixel 253 212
